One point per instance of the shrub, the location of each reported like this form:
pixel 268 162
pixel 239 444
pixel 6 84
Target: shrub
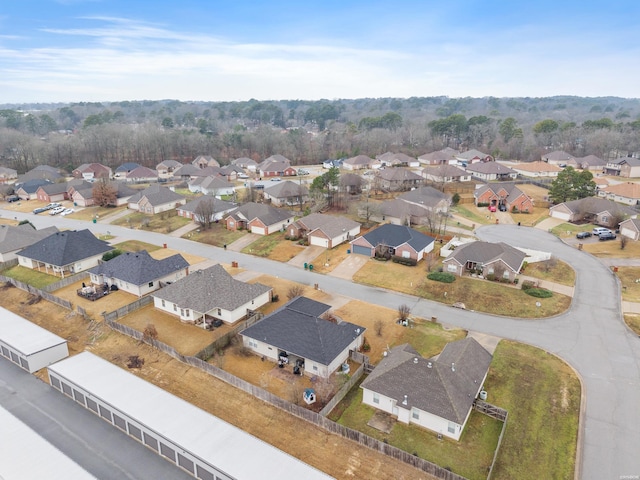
pixel 491 276
pixel 112 254
pixel 527 284
pixel 444 277
pixel 275 297
pixel 483 204
pixel 412 262
pixel 539 292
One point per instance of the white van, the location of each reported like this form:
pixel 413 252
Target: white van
pixel 598 230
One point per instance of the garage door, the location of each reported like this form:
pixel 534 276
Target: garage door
pixel 319 241
pixel 258 230
pixel 561 215
pixel 627 232
pixel 362 250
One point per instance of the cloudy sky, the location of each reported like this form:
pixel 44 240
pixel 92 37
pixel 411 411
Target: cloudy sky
pixel 103 50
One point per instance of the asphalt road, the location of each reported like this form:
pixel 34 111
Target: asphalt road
pixel 101 449
pixel 591 336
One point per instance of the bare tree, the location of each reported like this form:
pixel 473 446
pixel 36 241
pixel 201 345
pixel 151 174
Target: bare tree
pixel 378 327
pixel 150 332
pixel 295 291
pixel 623 241
pixel 204 212
pixel 105 194
pixel 430 261
pixel 404 311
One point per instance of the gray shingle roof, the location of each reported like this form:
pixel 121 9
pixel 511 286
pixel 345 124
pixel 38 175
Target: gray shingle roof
pixel 21 236
pixel 331 225
pixel 485 253
pixel 156 195
pixel 397 174
pixel 433 386
pixel 54 188
pixel 445 170
pixel 512 190
pixel 396 235
pixel 265 213
pixel 31 186
pixel 65 248
pixel 296 328
pixel 427 196
pixel 127 167
pixel 204 290
pixel 139 268
pixel 287 189
pixel 218 205
pixel 490 168
pixel 186 171
pixel 597 205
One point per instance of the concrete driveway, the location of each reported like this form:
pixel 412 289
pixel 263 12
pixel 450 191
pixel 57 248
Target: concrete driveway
pixel 349 266
pixel 307 255
pixel 243 242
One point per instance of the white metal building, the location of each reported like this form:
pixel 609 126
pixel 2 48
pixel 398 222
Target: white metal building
pixel 25 455
pixel 195 440
pixel 28 345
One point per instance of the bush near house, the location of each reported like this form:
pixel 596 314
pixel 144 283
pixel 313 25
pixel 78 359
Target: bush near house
pixel 444 277
pixel 527 284
pixel 539 292
pixel 411 262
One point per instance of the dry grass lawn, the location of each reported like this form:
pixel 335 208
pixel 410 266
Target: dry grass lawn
pixel 633 321
pixel 611 249
pixel 217 235
pixel 334 256
pixel 630 287
pixel 108 303
pixel 553 271
pixel 391 275
pixel 332 454
pixel 163 253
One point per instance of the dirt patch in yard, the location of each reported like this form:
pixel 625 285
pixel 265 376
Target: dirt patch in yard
pixel 108 303
pixel 332 454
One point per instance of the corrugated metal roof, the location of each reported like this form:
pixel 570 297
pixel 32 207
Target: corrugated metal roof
pixel 237 453
pixel 26 337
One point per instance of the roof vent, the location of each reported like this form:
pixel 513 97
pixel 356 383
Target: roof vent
pixel 453 367
pixel 404 402
pixel 429 365
pixel 415 360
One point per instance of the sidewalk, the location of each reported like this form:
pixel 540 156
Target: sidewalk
pixel 189 227
pixel 114 216
pixel 554 287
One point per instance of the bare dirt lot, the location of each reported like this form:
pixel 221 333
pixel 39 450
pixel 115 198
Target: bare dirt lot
pixel 332 454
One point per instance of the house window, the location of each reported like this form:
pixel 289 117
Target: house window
pixel 415 414
pixel 452 427
pixel 505 274
pixel 175 307
pixel 252 302
pixel 315 368
pixel 182 312
pixel 219 311
pixel 186 312
pixel 151 284
pixel 490 270
pixel 376 398
pixel 253 343
pixel 163 303
pixel 451 268
pixel 231 223
pixel 406 254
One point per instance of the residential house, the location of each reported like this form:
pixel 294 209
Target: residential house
pixel 599 211
pixel 64 253
pixel 187 172
pixel 440 157
pixel 204 161
pixel 352 183
pixel 390 159
pixel 28 190
pixel 142 175
pixel 230 172
pixel 214 207
pixel 258 218
pixel 52 192
pixel 298 338
pixel 91 171
pixel 166 168
pixel 558 157
pixel 138 273
pixel 245 163
pixel 82 195
pixel 628 167
pixel 322 230
pixel 445 174
pixel 15 238
pixel 537 169
pixel 507 194
pixel 391 239
pixel 41 172
pixel 434 394
pixel 360 162
pixel 7 175
pixel 627 193
pixel 473 156
pixel 421 206
pixel 591 163
pixel 630 228
pixel 397 179
pixel 215 186
pixel 155 199
pixel 489 171
pixel 286 193
pixel 498 259
pixel 122 171
pixel 205 296
pixel 276 166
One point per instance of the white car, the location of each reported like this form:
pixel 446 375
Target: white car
pixel 57 210
pixel 67 211
pixel 243 175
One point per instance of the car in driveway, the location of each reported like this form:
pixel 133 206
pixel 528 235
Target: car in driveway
pixel 492 208
pixel 607 236
pixel 600 230
pixel 13 198
pixel 56 210
pixel 66 211
pixel 582 235
pixel 502 207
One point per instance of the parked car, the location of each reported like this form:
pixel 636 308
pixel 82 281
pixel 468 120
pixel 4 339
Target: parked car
pixel 277 179
pixel 56 210
pixel 243 175
pixel 599 230
pixel 66 211
pixel 302 171
pixel 492 208
pixel 607 236
pixel 502 207
pixel 583 234
pixel 13 198
pixel 39 210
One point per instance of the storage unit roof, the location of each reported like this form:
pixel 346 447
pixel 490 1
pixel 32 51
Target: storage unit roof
pixel 24 336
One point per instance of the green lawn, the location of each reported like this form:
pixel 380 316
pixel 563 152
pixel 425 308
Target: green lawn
pixel 476 294
pixel 265 244
pixel 542 396
pixel 165 222
pixel 216 235
pixel 471 213
pixel 32 277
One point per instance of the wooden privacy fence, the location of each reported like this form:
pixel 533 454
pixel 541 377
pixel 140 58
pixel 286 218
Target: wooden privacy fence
pixel 66 281
pixel 499 414
pixel 36 291
pixel 131 307
pixel 300 412
pixel 340 394
pixel 224 340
